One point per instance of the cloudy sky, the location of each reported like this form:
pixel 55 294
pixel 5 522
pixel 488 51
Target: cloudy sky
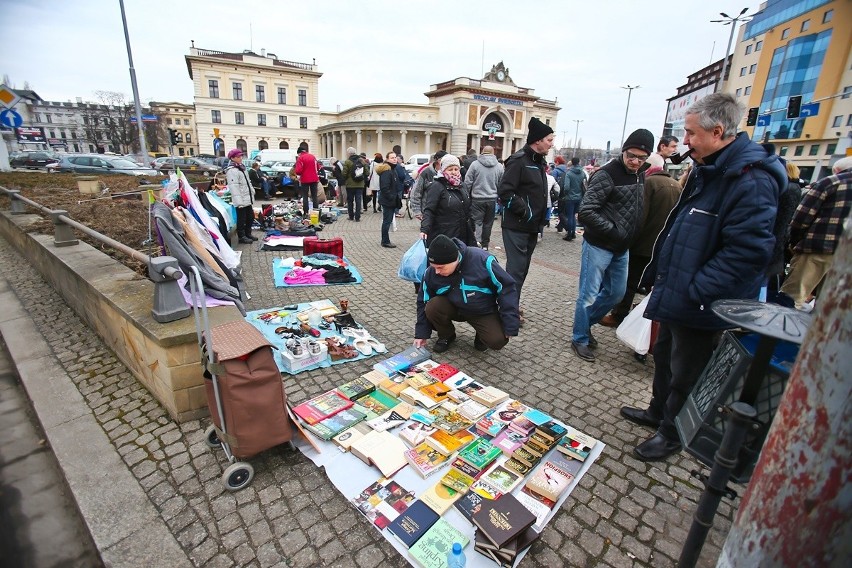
pixel 577 52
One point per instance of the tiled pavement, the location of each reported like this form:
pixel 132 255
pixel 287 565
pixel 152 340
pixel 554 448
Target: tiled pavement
pixel 624 513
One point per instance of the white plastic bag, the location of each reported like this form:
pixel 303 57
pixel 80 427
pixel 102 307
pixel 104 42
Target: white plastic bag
pixel 635 330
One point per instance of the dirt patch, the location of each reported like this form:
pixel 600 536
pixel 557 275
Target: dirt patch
pixel 122 218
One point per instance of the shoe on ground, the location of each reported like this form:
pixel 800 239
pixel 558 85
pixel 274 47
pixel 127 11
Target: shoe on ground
pixel 640 417
pixel 479 345
pixel 656 448
pixel 583 351
pixel 593 343
pixel 389 245
pixel 443 344
pixel 245 241
pixel 609 320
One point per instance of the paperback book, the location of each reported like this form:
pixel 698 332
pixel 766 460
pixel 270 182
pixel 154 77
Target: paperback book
pixel 508 441
pixel 425 459
pixel 430 551
pixel 449 443
pixel 458 380
pixel 443 371
pixel 469 504
pixel 388 420
pixel 440 498
pixel 454 479
pixel 383 501
pixel 470 409
pixel 412 395
pixel 334 425
pixel 393 385
pixel 382 450
pixel 322 406
pixel 378 402
pixel 576 445
pixel 549 481
pixel 489 396
pixel 420 380
pixel 479 453
pixel 485 489
pixel 415 432
pixel 356 388
pixel 402 361
pixel 346 438
pixel 501 478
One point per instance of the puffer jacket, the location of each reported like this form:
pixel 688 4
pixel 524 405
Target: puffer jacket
pixel 242 193
pixel 523 192
pixel 483 177
pixel 717 241
pixel 479 286
pixel 389 185
pixel 612 207
pixel 446 211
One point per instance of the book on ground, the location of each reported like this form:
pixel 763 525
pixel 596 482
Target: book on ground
pixel 486 490
pixel 382 450
pixel 454 479
pixel 346 438
pixel 448 420
pixel 489 396
pixel 576 445
pixel 415 432
pixel 443 371
pixel 469 408
pixel 356 388
pixel 436 391
pixel 378 402
pixel 509 440
pixel 503 519
pixel 449 443
pixel 549 481
pixel 425 459
pixel 458 380
pixel 334 425
pixel 479 453
pixel 390 419
pixel 322 406
pixel 412 395
pixel 383 501
pixel 430 551
pixel 409 526
pixel 539 508
pixel 469 504
pixel 393 385
pixel 439 497
pixel 402 361
pixel 501 478
pixel 420 380
pixel 537 416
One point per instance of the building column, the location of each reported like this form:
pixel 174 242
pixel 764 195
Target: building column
pixel 428 142
pixel 379 141
pixel 358 140
pixel 402 140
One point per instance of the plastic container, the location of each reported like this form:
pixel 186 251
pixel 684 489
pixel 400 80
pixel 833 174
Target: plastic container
pixel 456 557
pixel 314 217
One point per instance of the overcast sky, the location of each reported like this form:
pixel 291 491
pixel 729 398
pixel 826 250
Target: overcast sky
pixel 577 52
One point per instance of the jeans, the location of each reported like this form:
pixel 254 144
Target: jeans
pixel 353 202
pixel 387 221
pixel 482 213
pixel 519 247
pixel 680 355
pixel 603 281
pixel 568 216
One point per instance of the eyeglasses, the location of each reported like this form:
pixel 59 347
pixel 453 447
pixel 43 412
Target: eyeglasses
pixel 630 156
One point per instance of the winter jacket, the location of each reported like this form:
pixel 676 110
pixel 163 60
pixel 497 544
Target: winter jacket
pixel 306 168
pixel 661 195
pixel 574 185
pixel 483 177
pixel 612 207
pixel 242 193
pixel 389 186
pixel 479 286
pixel 424 178
pixel 255 178
pixel 523 192
pixel 373 182
pixel 788 201
pixel 349 171
pixel 446 211
pixel 717 241
pixel 558 172
pixel 818 222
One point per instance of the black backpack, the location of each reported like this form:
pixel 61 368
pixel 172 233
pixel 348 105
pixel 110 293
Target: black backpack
pixel 358 170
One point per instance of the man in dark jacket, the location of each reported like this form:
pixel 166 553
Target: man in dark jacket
pixel 465 284
pixel 610 211
pixel 715 245
pixel 352 167
pixel 523 194
pixel 573 187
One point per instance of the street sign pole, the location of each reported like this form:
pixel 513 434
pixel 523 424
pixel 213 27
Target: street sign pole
pixel 143 148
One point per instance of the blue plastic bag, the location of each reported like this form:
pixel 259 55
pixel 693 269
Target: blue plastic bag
pixel 413 264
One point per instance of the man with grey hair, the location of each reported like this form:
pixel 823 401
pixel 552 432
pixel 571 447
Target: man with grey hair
pixel 715 245
pixel 482 180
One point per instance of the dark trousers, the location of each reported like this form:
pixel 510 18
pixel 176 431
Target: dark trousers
pixel 635 266
pixel 441 313
pixel 354 197
pixel 482 213
pixel 387 221
pixel 568 216
pixel 367 198
pixel 519 247
pixel 680 355
pixel 245 215
pixel 303 189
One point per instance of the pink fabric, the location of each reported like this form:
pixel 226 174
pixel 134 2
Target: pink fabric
pixel 305 276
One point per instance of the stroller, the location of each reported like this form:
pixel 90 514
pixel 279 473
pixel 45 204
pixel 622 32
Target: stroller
pixel 245 393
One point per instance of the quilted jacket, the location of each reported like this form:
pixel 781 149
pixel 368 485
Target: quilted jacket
pixel 523 192
pixel 717 241
pixel 611 209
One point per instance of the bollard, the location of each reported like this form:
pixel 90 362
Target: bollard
pixel 63 235
pixel 169 303
pixel 17 206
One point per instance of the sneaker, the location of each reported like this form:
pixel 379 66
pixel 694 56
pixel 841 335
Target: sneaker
pixel 443 344
pixel 609 320
pixel 479 345
pixel 583 351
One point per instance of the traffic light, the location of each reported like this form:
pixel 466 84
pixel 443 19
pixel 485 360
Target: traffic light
pixel 794 106
pixel 172 136
pixel 751 119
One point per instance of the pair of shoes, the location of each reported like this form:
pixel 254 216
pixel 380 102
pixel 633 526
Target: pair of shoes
pixel 640 417
pixel 656 448
pixel 593 343
pixel 479 345
pixel 358 220
pixel 443 344
pixel 609 320
pixel 583 351
pixel 389 245
pixel 245 241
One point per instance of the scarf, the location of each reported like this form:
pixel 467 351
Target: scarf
pixel 453 179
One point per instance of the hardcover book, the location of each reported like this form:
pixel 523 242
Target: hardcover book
pixel 374 377
pixel 322 406
pixel 402 361
pixel 409 526
pixel 378 402
pixel 425 459
pixel 356 388
pixel 382 502
pixel 443 371
pixel 469 504
pixel 449 443
pixel 489 396
pixel 549 481
pixel 415 432
pixel 334 425
pixel 382 450
pixel 503 520
pixel 479 453
pixel 439 497
pixel 527 455
pixel 458 396
pixel 430 551
pixel 470 387
pixel 346 438
pixel 576 445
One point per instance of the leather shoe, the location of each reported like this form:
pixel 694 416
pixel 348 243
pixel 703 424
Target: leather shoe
pixel 389 245
pixel 246 241
pixel 639 416
pixel 583 351
pixel 609 321
pixel 656 448
pixel 593 343
pixel 479 345
pixel 443 344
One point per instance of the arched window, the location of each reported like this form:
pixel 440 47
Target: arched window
pixel 218 147
pixel 284 146
pixel 241 144
pixel 263 145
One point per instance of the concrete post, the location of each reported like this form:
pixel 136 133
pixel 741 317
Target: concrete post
pixel 17 206
pixel 796 510
pixel 169 304
pixel 63 235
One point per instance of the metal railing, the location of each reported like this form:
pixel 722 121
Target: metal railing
pixel 163 271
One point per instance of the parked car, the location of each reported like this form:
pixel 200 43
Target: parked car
pixel 32 160
pixel 102 164
pixel 187 165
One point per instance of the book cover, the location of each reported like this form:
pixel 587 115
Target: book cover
pixel 469 408
pixel 549 481
pixel 538 508
pixel 393 385
pixel 501 478
pixel 425 459
pixel 566 463
pixel 508 441
pixel 543 441
pixel 346 438
pixel 523 425
pixel 454 479
pixel 450 421
pixel 503 519
pixel 322 406
pixel 489 396
pixel 469 504
pixel 458 380
pixel 467 469
pixel 458 396
pixel 527 455
pixel 486 490
pixel 436 391
pixel 440 498
pixel 443 371
pixel 412 395
pixel 378 402
pixel 490 425
pixel 415 432
pixel 479 453
pixel 382 502
pixel 430 551
pixel 517 466
pixel 510 550
pixel 549 503
pixel 374 377
pixel 537 416
pixel 449 443
pixel 356 388
pixel 388 420
pixel 369 414
pixel 551 430
pixel 412 524
pixel 382 450
pixel 576 445
pixel 425 366
pixel 334 425
pixel 470 387
pixel 420 380
pixel 402 361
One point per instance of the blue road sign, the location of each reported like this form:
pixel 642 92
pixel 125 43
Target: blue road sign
pixel 10 119
pixel 764 120
pixel 810 109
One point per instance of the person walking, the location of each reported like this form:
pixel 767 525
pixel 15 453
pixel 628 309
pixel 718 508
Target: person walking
pixel 483 179
pixel 242 195
pixel 446 208
pixel 307 168
pixel 390 188
pixel 573 188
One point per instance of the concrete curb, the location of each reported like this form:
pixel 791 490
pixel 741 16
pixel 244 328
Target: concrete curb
pixel 123 523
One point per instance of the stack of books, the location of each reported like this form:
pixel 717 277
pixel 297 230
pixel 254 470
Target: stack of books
pixel 552 478
pixel 503 529
pixel 402 361
pixel 576 445
pixel 383 501
pixel 321 407
pixel 330 427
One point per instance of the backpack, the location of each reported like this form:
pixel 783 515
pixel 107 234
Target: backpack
pixel 358 171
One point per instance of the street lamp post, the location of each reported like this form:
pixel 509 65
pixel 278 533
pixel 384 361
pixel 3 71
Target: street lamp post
pixel 576 133
pixel 729 21
pixel 143 150
pixel 627 110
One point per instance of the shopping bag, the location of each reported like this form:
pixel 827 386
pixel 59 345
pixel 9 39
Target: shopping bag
pixel 635 330
pixel 412 267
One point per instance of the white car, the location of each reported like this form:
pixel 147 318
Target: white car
pixel 415 162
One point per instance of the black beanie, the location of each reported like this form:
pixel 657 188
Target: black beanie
pixel 443 250
pixel 641 140
pixel 538 130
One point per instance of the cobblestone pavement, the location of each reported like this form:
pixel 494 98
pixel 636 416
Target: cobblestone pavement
pixel 624 512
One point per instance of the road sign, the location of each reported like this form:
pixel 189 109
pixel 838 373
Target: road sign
pixel 145 118
pixel 764 120
pixel 810 109
pixel 8 97
pixel 30 135
pixel 10 118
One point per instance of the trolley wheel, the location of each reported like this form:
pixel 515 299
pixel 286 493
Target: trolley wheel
pixel 211 438
pixel 237 476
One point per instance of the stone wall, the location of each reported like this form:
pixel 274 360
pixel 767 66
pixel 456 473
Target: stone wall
pixel 116 304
